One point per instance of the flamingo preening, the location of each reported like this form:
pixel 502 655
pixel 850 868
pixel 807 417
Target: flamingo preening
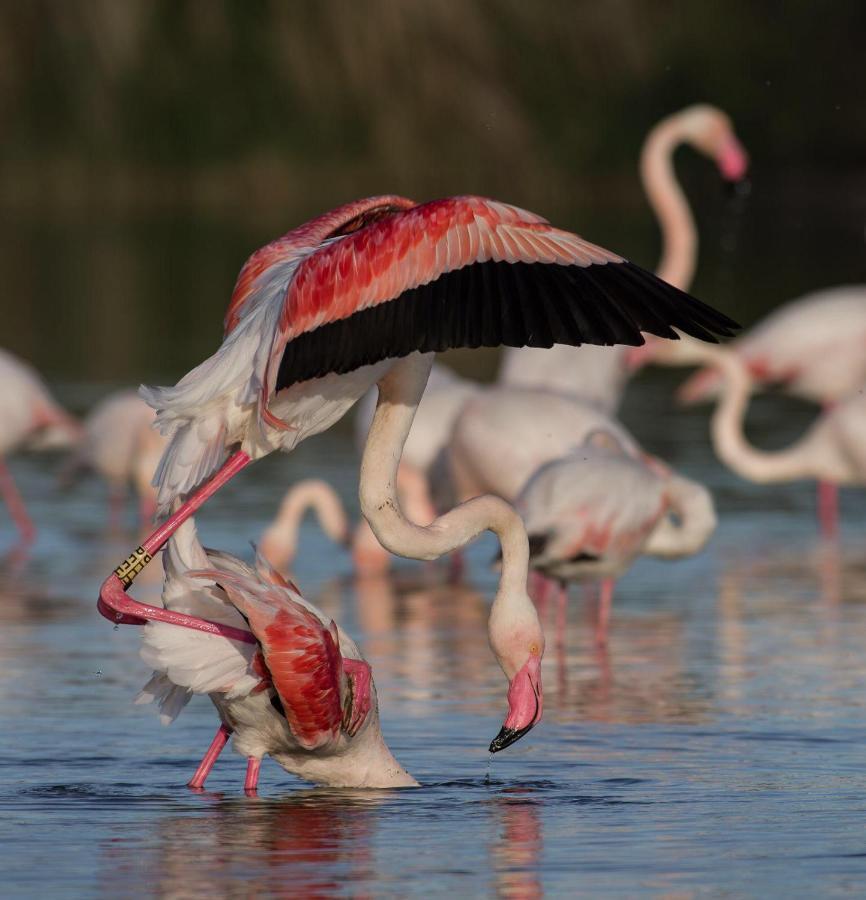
pixel 590 498
pixel 833 450
pixel 365 295
pixel 598 376
pixel 296 689
pixel 29 417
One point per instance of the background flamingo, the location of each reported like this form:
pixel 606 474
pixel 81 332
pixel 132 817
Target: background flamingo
pixel 121 444
pixel 591 513
pixel 832 450
pixel 29 418
pixel 812 348
pixel 301 692
pixel 596 375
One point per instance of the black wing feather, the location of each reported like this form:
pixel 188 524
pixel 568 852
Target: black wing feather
pixel 515 304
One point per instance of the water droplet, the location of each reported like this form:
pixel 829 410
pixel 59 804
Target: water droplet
pixel 117 627
pixel 99 673
pixel 487 773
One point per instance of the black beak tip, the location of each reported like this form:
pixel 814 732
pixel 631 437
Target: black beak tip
pixel 506 737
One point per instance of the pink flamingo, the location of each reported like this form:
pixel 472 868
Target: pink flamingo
pixel 299 691
pixel 814 348
pixel 506 437
pixel 597 375
pixel 590 514
pixel 30 418
pixel 364 295
pixel 833 450
pixel 121 444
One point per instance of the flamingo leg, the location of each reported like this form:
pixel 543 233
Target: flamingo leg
pixel 251 782
pixel 216 747
pixel 117 606
pixel 15 504
pixel 605 599
pixel 828 509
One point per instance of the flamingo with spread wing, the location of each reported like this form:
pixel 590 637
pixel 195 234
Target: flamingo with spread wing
pixel 365 295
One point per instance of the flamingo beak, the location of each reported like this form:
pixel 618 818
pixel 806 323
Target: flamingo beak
pixel 732 160
pixel 525 705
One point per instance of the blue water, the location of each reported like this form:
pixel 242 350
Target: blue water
pixel 714 749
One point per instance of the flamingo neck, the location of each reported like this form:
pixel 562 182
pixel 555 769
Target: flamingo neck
pixel 692 505
pixel 280 541
pixel 666 197
pixel 400 391
pixel 727 428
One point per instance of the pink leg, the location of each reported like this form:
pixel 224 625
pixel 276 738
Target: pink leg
pixel 456 566
pixel 605 599
pixel 216 747
pixel 828 509
pixel 117 606
pixel 361 677
pixel 561 610
pixel 251 782
pixel 539 590
pixel 15 503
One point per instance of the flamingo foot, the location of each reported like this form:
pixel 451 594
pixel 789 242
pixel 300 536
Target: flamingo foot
pixel 605 600
pixel 828 509
pixel 17 509
pixel 251 782
pixel 197 781
pixel 360 677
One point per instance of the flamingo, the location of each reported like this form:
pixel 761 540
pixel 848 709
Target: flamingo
pixel 121 444
pixel 813 347
pixel 597 375
pixel 298 689
pixel 591 513
pixel 365 295
pixel 521 444
pixel 832 451
pixel 30 418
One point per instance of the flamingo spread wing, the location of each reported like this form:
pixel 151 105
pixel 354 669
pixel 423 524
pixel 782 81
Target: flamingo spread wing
pixel 464 272
pixel 301 655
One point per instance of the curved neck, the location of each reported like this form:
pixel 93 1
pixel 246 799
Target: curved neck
pixel 729 439
pixel 400 392
pixel 692 505
pixel 679 235
pixel 280 542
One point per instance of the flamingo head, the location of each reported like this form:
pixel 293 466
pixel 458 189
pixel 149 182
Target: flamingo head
pixel 518 643
pixel 711 132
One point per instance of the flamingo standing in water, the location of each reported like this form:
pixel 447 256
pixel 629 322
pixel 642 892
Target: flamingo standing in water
pixel 296 688
pixel 814 348
pixel 597 375
pixel 832 450
pixel 30 417
pixel 527 446
pixel 365 295
pixel 121 444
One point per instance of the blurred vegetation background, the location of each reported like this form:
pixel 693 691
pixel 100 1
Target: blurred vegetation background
pixel 148 146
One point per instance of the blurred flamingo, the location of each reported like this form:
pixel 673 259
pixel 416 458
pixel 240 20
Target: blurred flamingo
pixel 297 688
pixel 598 375
pixel 364 295
pixel 29 418
pixel 506 437
pixel 813 348
pixel 833 450
pixel 121 444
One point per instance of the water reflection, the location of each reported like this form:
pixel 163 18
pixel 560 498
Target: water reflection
pixel 515 853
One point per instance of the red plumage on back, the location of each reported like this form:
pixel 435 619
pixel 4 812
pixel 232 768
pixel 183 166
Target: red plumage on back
pixel 301 655
pixel 307 237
